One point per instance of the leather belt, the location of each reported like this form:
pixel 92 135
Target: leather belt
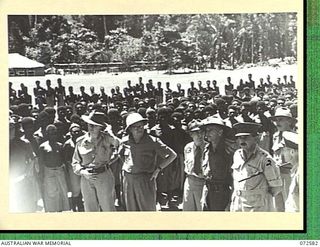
pixel 97 170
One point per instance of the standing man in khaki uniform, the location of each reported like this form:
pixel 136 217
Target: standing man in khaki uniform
pixel 143 157
pixel 285 123
pixel 91 160
pixel 193 156
pixel 256 178
pixel 216 165
pixel 292 156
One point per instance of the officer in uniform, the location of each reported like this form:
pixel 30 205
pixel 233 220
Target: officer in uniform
pixel 193 153
pixel 216 165
pixel 284 122
pixel 92 159
pixel 256 178
pixel 143 157
pixel 291 156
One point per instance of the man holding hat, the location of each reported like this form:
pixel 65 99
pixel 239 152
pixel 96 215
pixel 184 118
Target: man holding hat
pixel 284 122
pixel 256 178
pixel 217 165
pixel 143 157
pixel 92 160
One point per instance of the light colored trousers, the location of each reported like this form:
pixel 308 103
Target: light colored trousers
pixel 99 194
pixel 192 193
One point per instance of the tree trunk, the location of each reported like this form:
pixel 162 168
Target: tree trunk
pixel 252 46
pixel 105 29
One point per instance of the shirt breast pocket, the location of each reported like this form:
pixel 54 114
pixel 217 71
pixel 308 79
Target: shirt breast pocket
pixel 253 175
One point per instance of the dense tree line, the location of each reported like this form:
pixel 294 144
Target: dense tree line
pixel 170 41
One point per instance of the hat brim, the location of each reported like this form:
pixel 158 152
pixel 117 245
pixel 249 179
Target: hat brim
pixel 140 120
pixel 273 118
pixel 218 124
pixel 89 121
pixel 291 144
pixel 242 134
pixel 195 129
pixel 223 126
pixel 74 127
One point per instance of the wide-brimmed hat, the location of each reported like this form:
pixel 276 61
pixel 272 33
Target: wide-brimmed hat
pixel 95 118
pixel 290 139
pixel 133 118
pixel 213 120
pixel 246 128
pixel 283 112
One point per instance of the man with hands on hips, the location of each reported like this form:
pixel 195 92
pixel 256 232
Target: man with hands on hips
pixel 92 159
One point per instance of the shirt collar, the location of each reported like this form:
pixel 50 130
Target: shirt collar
pixel 143 138
pixel 203 145
pixel 253 153
pixel 87 138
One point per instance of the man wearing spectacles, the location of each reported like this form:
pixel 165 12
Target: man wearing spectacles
pixel 143 157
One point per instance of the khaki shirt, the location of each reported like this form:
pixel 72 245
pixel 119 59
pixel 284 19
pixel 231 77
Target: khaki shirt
pixel 257 172
pixel 142 157
pixel 189 155
pixel 281 154
pixel 252 179
pixel 86 154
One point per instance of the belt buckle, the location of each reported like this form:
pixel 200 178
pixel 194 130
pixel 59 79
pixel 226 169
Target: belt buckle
pixel 238 193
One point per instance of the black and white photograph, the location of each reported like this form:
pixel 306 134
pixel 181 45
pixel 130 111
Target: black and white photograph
pixel 154 113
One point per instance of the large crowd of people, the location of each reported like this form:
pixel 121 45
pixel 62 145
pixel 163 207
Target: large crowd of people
pixel 147 147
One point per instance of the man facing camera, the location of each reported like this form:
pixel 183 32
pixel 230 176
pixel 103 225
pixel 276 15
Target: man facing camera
pixel 256 178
